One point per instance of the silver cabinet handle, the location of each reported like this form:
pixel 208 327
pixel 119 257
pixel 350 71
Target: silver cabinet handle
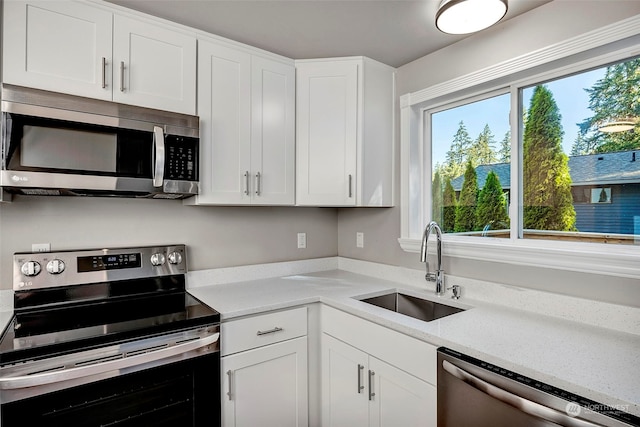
pixel 270 331
pixel 104 72
pixel 158 147
pixel 230 375
pixel 360 386
pixel 371 392
pixel 246 183
pixel 123 362
pixel 350 186
pixel 258 178
pixel 121 76
pixel 527 406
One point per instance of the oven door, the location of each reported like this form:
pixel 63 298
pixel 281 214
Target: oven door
pixel 185 393
pixel 166 380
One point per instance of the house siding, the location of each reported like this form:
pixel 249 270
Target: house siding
pixel 616 217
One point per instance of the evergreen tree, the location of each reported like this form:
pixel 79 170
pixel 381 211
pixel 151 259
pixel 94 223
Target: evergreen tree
pixel 615 96
pixel 481 151
pixel 548 204
pixel 504 154
pixel 492 205
pixel 466 209
pixel 455 157
pixel 436 199
pixel 449 203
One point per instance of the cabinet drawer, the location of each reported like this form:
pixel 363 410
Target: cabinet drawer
pixel 265 329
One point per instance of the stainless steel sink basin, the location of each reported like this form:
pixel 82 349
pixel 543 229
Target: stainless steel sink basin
pixel 412 306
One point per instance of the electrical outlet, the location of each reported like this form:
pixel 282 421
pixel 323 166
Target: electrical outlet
pixel 41 247
pixel 359 240
pixel 302 240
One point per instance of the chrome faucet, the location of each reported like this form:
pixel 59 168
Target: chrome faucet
pixel 438 275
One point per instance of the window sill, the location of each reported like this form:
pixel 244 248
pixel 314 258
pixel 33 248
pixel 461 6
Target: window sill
pixel 585 258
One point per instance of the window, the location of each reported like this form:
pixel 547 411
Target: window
pixel 571 161
pixel 471 158
pixel 568 160
pixel 592 245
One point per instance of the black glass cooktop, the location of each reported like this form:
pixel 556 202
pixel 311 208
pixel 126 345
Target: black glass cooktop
pixel 60 320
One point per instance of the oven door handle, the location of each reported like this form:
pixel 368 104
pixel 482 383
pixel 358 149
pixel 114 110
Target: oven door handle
pixel 527 406
pixel 124 362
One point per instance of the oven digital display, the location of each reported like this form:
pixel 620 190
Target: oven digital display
pixel 109 262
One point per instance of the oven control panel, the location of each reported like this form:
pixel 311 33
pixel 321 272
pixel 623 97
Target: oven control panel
pixel 33 270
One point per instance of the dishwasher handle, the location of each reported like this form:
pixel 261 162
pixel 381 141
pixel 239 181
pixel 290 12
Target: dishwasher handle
pixel 527 406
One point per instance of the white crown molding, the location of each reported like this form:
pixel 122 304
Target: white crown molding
pixel 611 33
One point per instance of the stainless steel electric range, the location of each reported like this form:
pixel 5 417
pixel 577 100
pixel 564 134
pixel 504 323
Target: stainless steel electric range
pixel 108 337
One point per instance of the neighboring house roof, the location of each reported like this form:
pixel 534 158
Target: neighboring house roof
pixel 595 169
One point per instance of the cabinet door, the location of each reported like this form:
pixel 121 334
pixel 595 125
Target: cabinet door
pixel 58 46
pixel 266 386
pixel 272 132
pixel 344 385
pixel 327 108
pixel 224 106
pixel 400 399
pixel 154 67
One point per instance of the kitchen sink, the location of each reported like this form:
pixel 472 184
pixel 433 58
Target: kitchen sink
pixel 415 307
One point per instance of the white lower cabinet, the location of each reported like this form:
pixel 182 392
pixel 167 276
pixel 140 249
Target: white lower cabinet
pixel 361 390
pixel 264 370
pixel 381 378
pixel 266 386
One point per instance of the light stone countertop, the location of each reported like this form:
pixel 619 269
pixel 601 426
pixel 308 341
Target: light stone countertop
pixel 596 363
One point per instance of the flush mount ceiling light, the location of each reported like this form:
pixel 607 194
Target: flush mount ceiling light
pixel 618 125
pixel 468 16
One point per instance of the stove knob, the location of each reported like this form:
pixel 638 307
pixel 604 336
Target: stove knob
pixel 157 259
pixel 30 268
pixel 55 266
pixel 175 258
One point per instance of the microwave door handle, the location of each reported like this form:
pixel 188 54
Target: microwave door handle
pixel 158 149
pixel 527 406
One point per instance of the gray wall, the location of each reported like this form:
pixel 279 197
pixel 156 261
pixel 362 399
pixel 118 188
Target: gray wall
pixel 216 236
pixel 544 26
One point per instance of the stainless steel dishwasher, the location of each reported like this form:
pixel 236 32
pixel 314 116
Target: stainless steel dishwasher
pixel 475 393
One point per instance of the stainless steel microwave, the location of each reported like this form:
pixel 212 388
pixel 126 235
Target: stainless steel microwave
pixel 56 144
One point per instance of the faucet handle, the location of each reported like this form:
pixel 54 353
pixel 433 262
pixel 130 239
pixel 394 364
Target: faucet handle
pixel 457 291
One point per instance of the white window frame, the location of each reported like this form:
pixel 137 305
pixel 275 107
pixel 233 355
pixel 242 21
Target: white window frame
pixel 596 48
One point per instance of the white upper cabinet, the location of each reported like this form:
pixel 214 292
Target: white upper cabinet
pixel 80 49
pixel 57 46
pixel 246 108
pixel 153 66
pixel 344 132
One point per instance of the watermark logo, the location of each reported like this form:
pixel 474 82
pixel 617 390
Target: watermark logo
pixel 573 409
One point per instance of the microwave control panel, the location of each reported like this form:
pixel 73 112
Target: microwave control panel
pixel 181 158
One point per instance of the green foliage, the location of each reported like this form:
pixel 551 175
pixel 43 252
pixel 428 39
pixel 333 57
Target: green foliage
pixel 481 151
pixel 548 204
pixel 492 205
pixel 436 198
pixel 449 203
pixel 504 153
pixel 466 209
pixel 615 96
pixel 457 154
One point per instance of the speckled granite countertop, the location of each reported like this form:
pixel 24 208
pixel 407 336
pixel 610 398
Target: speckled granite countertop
pixel 597 363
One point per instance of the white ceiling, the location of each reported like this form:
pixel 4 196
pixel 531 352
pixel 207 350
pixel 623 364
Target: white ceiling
pixel 394 32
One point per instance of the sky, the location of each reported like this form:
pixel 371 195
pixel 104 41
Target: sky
pixel 569 94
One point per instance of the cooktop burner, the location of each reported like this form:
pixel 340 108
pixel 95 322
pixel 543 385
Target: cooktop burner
pixel 51 320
